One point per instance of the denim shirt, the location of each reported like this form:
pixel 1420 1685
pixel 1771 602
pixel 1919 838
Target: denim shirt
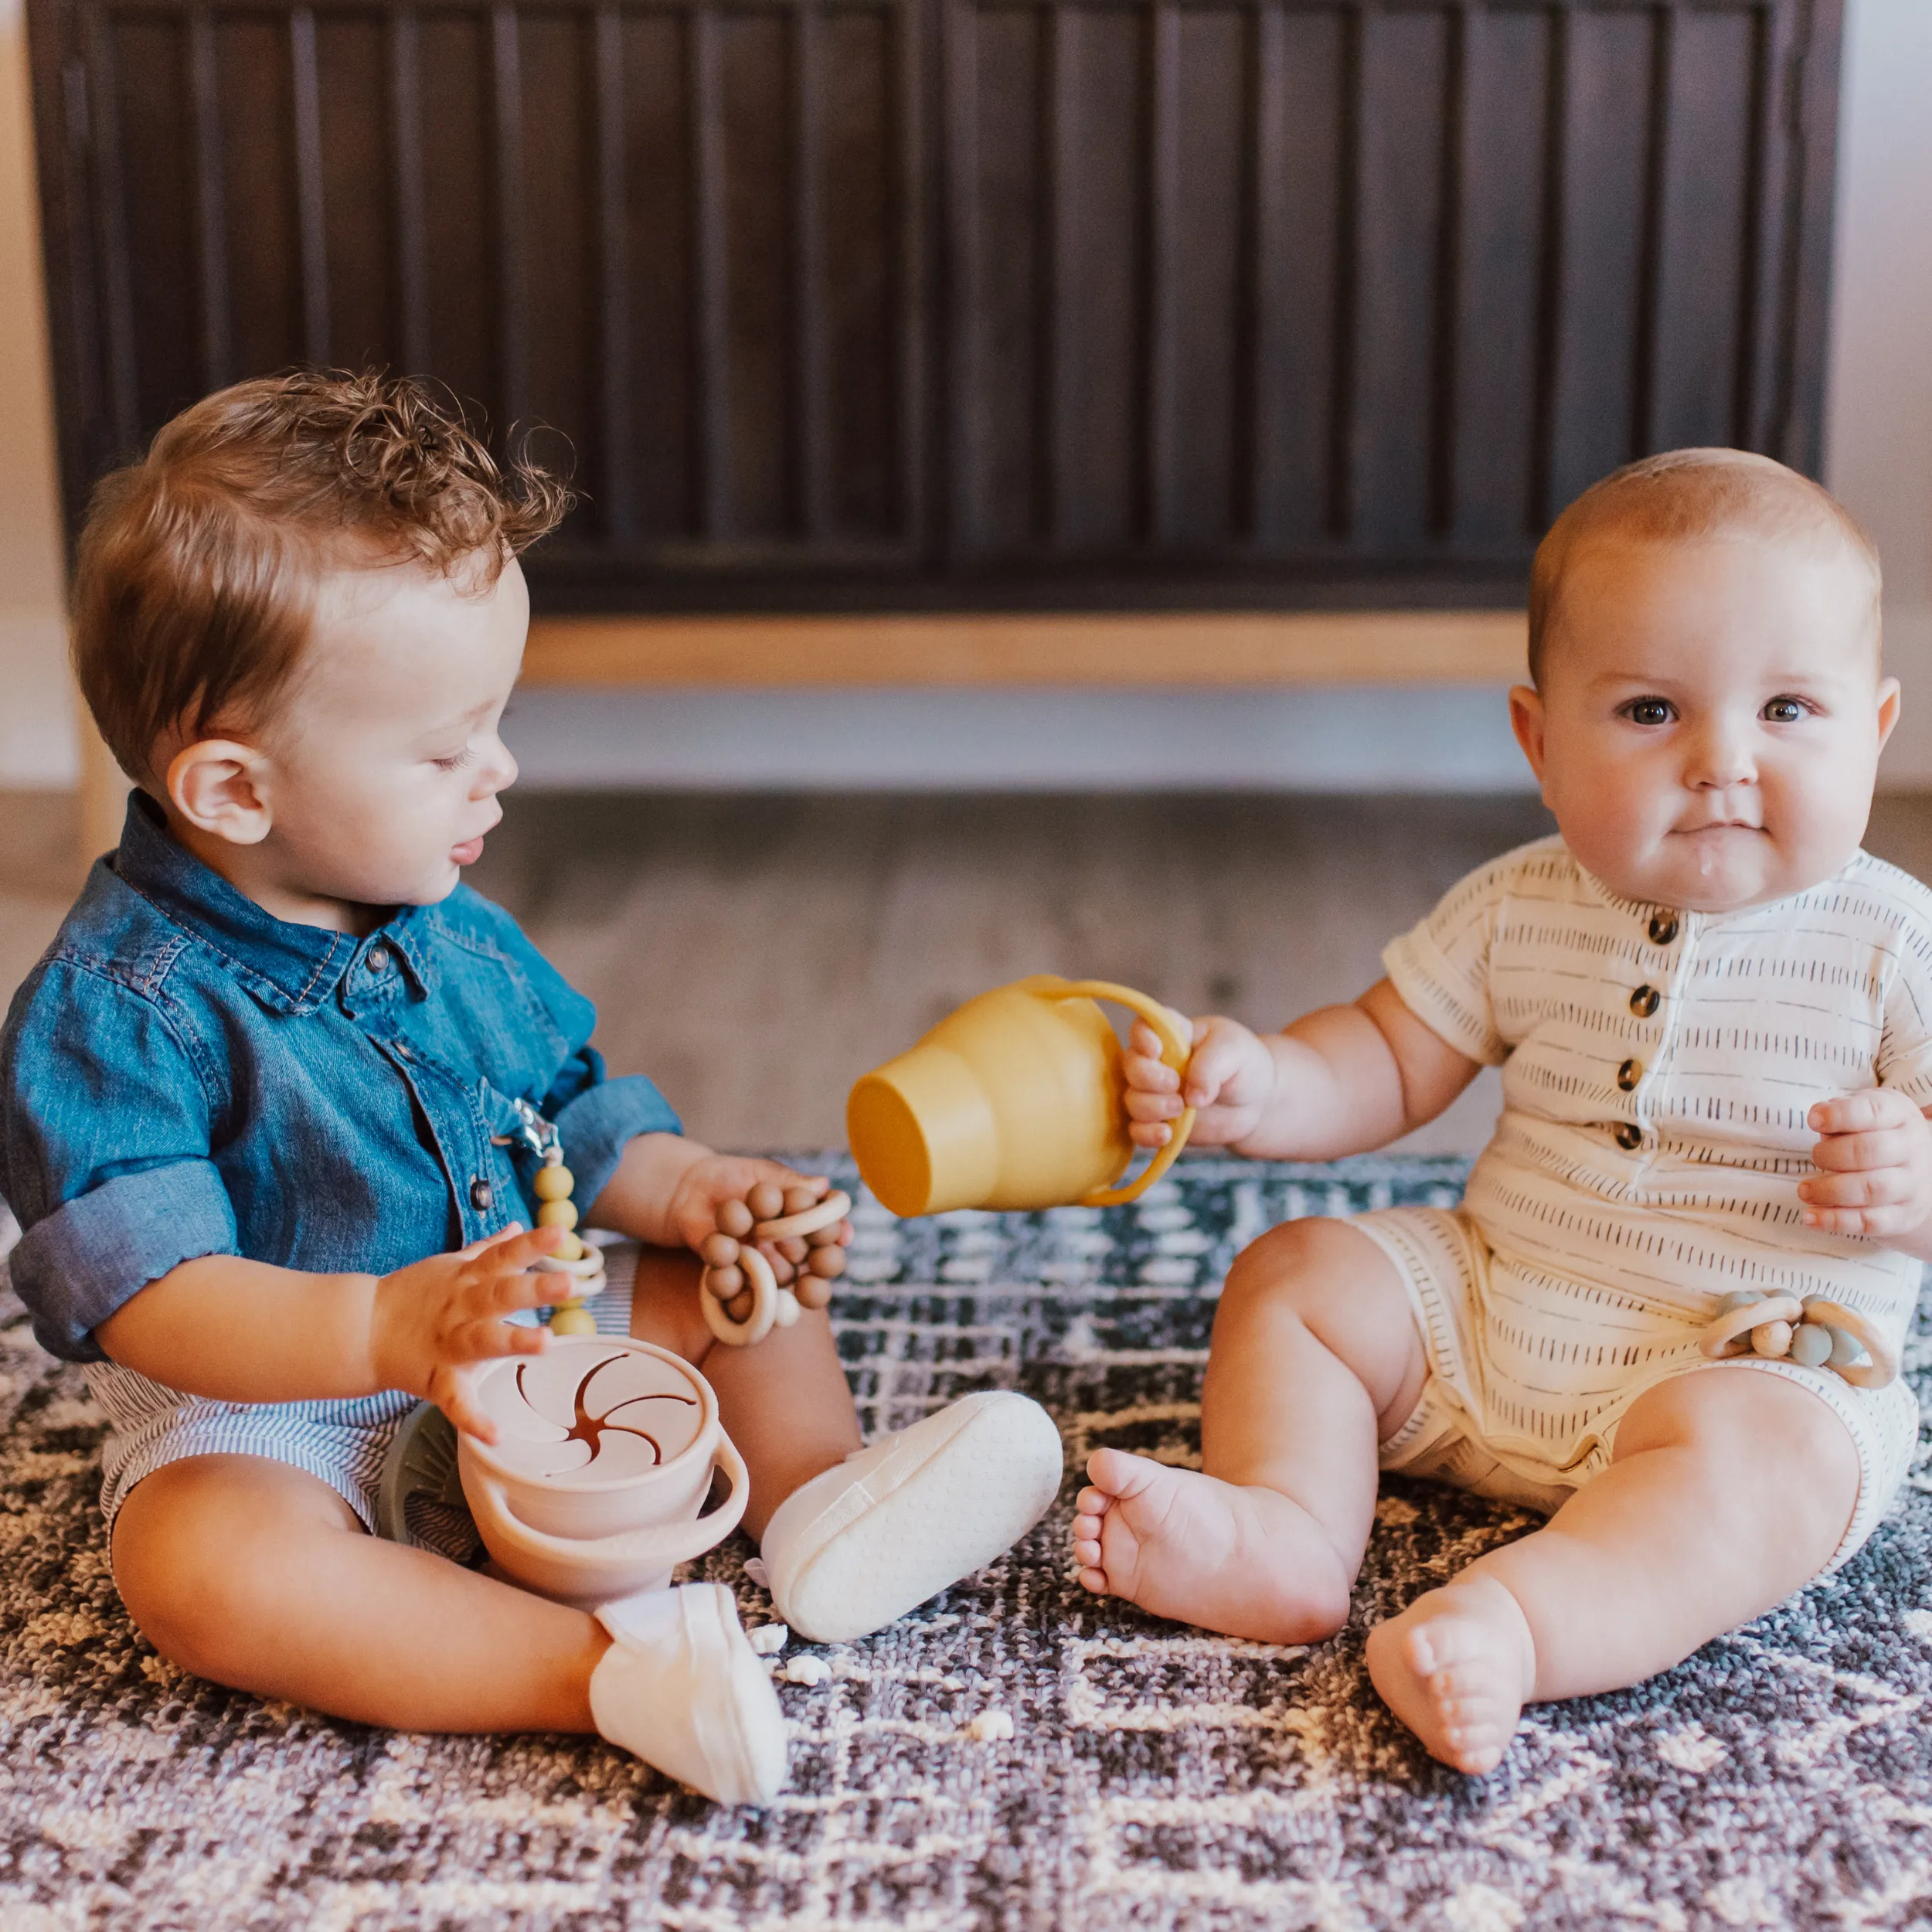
pixel 184 1075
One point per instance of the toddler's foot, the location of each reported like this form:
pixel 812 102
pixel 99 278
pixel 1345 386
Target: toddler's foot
pixel 681 1687
pixel 1457 1666
pixel 861 1544
pixel 1243 1560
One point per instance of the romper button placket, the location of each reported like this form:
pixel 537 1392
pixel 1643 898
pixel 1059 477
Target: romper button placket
pixel 481 1195
pixel 1629 1074
pixel 1663 928
pixel 1627 1135
pixel 1644 1001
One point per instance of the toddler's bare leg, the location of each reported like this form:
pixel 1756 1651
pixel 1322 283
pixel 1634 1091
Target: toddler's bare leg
pixel 260 1576
pixel 1315 1354
pixel 784 1401
pixel 1729 1490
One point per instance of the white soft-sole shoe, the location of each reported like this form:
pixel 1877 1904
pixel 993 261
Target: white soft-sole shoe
pixel 861 1544
pixel 681 1687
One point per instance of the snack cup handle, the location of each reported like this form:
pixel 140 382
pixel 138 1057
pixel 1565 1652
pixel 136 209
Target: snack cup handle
pixel 662 1546
pixel 1174 1052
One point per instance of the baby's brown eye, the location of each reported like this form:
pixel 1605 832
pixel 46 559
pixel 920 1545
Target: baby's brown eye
pixel 1648 711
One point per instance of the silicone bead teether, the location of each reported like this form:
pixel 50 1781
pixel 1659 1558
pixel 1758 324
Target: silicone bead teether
pixel 777 1285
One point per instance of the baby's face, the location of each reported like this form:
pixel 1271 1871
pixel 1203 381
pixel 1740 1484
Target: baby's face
pixel 1710 720
pixel 385 762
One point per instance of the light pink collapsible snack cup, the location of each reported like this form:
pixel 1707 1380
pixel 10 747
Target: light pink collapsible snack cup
pixel 605 1454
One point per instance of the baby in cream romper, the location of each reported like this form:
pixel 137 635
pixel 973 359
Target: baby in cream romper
pixel 1713 1015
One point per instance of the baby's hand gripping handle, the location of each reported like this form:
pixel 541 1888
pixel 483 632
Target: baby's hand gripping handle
pixel 1173 1053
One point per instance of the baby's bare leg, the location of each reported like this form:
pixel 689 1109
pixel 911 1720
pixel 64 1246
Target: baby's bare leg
pixel 1315 1356
pixel 784 1401
pixel 1729 1490
pixel 259 1576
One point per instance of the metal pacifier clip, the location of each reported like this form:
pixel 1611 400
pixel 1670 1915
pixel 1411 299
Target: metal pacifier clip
pixel 1816 1332
pixel 746 1294
pixel 581 1260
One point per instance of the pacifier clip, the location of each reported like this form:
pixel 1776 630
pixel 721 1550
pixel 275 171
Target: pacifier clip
pixel 581 1260
pixel 1815 1332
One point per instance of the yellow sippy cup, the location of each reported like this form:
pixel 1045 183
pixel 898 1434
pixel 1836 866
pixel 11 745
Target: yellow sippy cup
pixel 1015 1101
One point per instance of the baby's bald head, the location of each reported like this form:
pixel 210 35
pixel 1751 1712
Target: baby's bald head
pixel 1691 496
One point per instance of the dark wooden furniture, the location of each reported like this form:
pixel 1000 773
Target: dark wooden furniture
pixel 968 305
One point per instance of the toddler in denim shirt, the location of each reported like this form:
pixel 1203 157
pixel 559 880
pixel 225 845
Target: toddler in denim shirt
pixel 260 1103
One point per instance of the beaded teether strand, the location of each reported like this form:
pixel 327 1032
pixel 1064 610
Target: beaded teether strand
pixel 1816 1333
pixel 580 1260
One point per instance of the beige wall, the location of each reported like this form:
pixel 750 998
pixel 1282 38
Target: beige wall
pixel 36 725
pixel 1879 458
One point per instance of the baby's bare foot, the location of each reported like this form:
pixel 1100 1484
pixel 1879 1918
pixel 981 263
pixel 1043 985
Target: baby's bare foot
pixel 1245 1561
pixel 1457 1666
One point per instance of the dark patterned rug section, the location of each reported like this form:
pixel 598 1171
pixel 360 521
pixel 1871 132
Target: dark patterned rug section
pixel 1016 1754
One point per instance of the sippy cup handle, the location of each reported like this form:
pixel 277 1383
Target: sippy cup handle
pixel 1174 1052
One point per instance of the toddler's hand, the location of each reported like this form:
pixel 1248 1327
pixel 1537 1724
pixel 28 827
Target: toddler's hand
pixel 719 1197
pixel 432 1322
pixel 1875 1163
pixel 1230 1079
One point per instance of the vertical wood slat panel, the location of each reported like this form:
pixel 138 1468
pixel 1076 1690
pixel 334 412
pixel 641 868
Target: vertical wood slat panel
pixel 1440 514
pixel 1553 249
pixel 1052 169
pixel 1340 506
pixel 809 455
pixel 1159 325
pixel 1765 285
pixel 1643 400
pixel 512 248
pixel 613 388
pixel 1256 492
pixel 211 218
pixel 111 231
pixel 712 494
pixel 962 298
pixel 406 142
pixel 311 220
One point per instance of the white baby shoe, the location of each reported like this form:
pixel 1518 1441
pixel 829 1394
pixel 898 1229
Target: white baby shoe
pixel 681 1687
pixel 863 1542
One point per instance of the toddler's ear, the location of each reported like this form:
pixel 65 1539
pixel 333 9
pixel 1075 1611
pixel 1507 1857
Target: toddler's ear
pixel 219 787
pixel 1526 720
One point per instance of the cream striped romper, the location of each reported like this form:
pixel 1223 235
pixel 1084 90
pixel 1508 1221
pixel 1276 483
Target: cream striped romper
pixel 1657 1067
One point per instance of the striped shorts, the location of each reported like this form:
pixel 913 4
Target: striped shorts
pixel 1530 1376
pixel 342 1443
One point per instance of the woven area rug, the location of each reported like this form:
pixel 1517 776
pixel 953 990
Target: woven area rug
pixel 1153 1776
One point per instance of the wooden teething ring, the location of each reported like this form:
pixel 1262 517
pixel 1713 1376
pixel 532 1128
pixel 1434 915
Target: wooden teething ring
pixel 1728 1335
pixel 772 1306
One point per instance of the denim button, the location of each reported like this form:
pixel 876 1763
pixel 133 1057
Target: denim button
pixel 482 1195
pixel 379 959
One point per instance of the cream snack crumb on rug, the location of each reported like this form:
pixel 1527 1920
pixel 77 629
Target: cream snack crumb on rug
pixel 1016 1754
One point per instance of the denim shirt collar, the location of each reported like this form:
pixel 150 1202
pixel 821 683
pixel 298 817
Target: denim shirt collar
pixel 290 968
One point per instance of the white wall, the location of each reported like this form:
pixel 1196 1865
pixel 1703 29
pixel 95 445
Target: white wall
pixel 1878 458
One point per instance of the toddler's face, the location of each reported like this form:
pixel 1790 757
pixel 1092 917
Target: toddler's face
pixel 1710 720
pixel 385 762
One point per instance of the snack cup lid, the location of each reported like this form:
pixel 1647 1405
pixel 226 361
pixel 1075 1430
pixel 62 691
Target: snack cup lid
pixel 590 1410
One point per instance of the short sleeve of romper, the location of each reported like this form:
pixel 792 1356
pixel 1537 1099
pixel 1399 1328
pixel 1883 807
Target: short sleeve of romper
pixel 1441 966
pixel 1905 1046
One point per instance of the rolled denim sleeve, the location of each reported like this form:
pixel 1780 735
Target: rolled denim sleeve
pixel 604 1114
pixel 94 1254
pixel 106 1154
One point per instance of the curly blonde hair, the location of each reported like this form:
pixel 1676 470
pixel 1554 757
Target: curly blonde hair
pixel 196 573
